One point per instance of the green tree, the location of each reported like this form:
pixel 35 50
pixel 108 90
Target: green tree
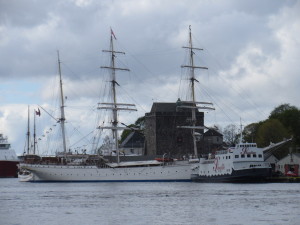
pixel 289 116
pixel 271 130
pixel 250 132
pixel 139 124
pixel 279 110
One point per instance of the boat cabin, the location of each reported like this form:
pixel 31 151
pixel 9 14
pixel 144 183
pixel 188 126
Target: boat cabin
pixel 3 142
pixel 246 145
pixel 4 146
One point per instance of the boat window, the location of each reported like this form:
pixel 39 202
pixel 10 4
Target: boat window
pixel 228 157
pixel 248 155
pixel 4 145
pixel 260 156
pixel 236 156
pixel 243 156
pixel 254 155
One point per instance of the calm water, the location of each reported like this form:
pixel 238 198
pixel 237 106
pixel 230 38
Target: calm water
pixel 148 203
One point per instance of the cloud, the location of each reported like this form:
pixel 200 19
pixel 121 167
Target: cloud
pixel 251 49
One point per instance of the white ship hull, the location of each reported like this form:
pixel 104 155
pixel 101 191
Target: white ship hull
pixel 64 173
pixel 25 178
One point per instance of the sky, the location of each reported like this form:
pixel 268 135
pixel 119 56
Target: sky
pixel 251 49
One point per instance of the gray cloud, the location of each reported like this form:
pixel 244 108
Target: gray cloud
pixel 250 47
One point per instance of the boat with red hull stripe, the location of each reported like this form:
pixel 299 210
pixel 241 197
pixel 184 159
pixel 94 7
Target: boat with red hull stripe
pixel 8 159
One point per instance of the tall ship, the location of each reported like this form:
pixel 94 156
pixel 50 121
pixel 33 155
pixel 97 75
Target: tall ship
pixel 69 167
pixel 8 159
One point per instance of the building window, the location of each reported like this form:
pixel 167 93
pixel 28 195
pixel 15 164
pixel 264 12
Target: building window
pixel 179 140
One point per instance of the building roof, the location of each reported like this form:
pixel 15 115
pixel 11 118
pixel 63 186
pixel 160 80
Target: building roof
pixel 297 155
pixel 163 107
pixel 271 157
pixel 169 106
pixel 213 132
pixel 133 140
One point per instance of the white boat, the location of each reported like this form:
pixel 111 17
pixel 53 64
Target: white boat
pixel 25 176
pixel 243 163
pixel 95 168
pixel 8 159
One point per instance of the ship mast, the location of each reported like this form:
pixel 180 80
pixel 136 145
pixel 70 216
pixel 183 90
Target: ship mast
pixel 191 67
pixel 62 107
pixel 28 131
pixel 34 133
pixel 114 106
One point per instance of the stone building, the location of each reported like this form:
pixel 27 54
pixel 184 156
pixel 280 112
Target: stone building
pixel 162 134
pixel 212 141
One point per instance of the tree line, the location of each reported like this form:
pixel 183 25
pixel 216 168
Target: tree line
pixel 283 122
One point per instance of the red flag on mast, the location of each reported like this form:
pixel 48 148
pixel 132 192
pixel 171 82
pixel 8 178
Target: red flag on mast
pixel 112 33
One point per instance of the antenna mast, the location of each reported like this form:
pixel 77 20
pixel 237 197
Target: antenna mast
pixel 241 135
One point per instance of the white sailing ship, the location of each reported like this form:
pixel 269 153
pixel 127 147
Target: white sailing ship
pixel 94 168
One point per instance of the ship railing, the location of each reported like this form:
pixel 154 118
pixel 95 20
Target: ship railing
pixel 208 161
pixel 222 152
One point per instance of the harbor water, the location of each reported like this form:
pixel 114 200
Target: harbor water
pixel 148 203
